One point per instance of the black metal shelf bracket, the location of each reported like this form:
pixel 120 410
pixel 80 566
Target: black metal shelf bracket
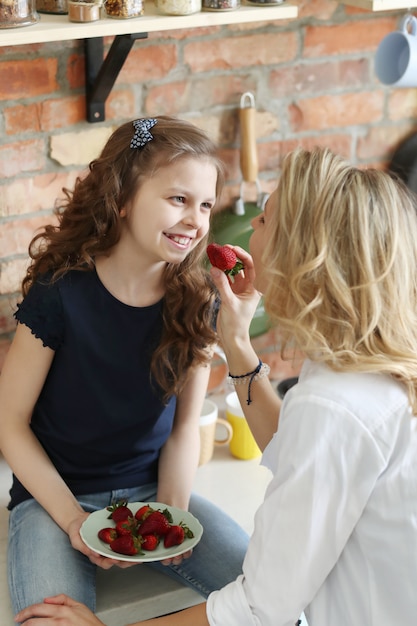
pixel 101 74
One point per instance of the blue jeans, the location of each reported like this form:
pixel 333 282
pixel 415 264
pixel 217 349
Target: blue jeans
pixel 42 562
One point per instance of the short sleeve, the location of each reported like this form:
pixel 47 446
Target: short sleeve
pixel 41 311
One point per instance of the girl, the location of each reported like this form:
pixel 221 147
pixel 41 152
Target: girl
pixel 335 255
pixel 101 392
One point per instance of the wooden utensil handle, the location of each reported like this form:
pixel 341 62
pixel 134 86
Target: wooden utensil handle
pixel 248 153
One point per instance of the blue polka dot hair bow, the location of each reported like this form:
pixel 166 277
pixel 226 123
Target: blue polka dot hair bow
pixel 142 134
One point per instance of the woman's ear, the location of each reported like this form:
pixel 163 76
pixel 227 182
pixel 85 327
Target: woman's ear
pixel 123 212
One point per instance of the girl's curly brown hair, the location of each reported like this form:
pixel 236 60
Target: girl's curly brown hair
pixel 89 226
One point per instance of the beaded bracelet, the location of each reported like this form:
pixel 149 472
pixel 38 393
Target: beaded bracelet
pixel 260 371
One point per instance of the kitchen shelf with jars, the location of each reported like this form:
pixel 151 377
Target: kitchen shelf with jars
pixel 380 5
pixel 149 18
pixel 59 20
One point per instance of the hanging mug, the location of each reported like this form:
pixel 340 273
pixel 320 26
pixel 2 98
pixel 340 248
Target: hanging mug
pixel 396 56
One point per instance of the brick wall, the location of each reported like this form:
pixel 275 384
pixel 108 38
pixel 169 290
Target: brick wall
pixel 312 78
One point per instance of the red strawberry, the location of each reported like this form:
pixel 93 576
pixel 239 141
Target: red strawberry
pixel 119 511
pixel 143 512
pixel 224 258
pixel 127 544
pixel 156 523
pixel 150 542
pixel 176 535
pixel 126 526
pixel 107 534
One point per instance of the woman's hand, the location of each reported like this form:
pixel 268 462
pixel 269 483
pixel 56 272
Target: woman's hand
pixel 59 610
pixel 239 300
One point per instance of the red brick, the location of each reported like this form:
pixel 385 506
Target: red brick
pixel 38 193
pixel 305 79
pixel 380 141
pixel 75 71
pixel 12 273
pixel 349 37
pixel 22 118
pixel 318 9
pixel 16 236
pixel 29 78
pixel 44 116
pixel 176 97
pixel 21 157
pixel 150 62
pixel 236 52
pixel 62 112
pixel 402 104
pixel 25 51
pixel 326 112
pixel 121 104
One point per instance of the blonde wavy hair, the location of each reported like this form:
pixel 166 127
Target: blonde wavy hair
pixel 89 225
pixel 341 266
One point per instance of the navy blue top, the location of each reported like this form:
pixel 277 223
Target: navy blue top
pixel 99 417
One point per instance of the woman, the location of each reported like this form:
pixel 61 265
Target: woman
pixel 335 256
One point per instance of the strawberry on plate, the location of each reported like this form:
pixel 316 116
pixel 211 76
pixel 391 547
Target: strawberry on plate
pixel 119 511
pixel 157 523
pixel 150 542
pixel 176 535
pixel 126 544
pixel 107 534
pixel 126 526
pixel 143 512
pixel 97 532
pixel 224 258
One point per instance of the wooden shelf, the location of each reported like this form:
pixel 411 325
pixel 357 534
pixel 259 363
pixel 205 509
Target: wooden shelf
pixel 380 5
pixel 59 28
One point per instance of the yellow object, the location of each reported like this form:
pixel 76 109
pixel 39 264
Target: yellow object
pixel 242 445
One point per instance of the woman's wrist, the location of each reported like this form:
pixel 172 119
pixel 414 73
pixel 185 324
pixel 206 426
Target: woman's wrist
pixel 260 371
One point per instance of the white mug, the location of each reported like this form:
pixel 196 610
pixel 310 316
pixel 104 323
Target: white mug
pixel 396 56
pixel 211 426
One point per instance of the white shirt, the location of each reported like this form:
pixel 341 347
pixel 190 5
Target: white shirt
pixel 336 536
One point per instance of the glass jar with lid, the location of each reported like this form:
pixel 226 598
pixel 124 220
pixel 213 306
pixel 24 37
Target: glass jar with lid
pixel 178 7
pixel 122 9
pixel 80 11
pixel 220 5
pixel 262 3
pixel 14 13
pixel 58 7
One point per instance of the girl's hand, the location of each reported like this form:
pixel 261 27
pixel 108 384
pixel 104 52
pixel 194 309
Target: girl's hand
pixel 77 543
pixel 177 560
pixel 60 610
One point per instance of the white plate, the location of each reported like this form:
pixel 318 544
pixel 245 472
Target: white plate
pixel 100 519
